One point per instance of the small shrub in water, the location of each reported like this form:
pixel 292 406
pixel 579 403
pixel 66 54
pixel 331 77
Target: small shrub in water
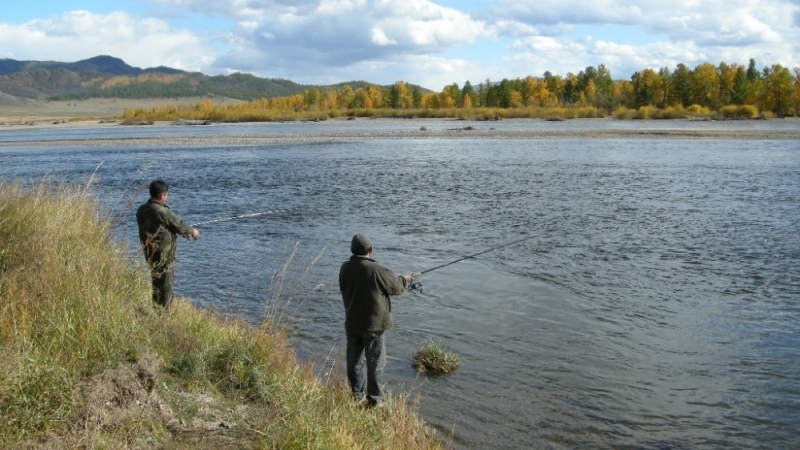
pixel 435 359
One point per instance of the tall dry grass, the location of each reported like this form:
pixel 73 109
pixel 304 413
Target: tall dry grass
pixel 670 112
pixel 69 304
pixel 259 111
pixel 75 306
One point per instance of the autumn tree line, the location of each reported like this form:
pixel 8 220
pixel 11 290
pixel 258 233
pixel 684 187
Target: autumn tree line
pixel 730 90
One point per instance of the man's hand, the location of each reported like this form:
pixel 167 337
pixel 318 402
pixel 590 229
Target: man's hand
pixel 195 234
pixel 407 278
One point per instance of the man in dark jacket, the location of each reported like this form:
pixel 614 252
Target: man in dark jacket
pixel 158 226
pixel 366 287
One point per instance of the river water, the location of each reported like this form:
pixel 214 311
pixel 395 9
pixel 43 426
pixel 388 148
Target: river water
pixel 653 304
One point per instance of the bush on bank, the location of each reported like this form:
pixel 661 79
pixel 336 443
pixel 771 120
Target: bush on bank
pixel 693 111
pixel 88 362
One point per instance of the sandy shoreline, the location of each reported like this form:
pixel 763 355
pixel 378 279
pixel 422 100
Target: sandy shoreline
pixel 445 129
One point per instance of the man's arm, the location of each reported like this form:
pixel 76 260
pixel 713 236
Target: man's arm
pixel 177 226
pixel 391 283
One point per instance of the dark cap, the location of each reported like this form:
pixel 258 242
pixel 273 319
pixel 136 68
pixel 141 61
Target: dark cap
pixel 360 244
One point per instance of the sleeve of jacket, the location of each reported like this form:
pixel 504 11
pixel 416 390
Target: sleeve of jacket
pixel 175 224
pixel 390 283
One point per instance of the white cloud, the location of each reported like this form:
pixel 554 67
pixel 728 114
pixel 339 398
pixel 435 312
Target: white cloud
pixel 419 41
pixel 560 55
pixel 428 71
pixel 78 35
pixel 379 38
pixel 547 12
pixel 335 33
pixel 735 27
pixel 663 34
pixel 731 22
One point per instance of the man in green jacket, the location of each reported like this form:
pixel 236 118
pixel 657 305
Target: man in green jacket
pixel 158 226
pixel 366 286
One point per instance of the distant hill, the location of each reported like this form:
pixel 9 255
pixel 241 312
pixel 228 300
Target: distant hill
pixel 100 64
pixel 110 77
pixel 8 100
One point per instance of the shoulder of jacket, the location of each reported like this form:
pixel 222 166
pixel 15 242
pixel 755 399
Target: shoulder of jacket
pixel 160 207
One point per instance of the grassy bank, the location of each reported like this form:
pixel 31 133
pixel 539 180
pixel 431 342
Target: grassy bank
pixel 89 363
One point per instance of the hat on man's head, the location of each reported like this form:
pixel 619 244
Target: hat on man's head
pixel 360 244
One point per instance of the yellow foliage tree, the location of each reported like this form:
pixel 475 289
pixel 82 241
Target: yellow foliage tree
pixel 705 85
pixel 375 96
pixel 796 91
pixel 590 92
pixel 400 96
pixel 346 97
pixel 361 99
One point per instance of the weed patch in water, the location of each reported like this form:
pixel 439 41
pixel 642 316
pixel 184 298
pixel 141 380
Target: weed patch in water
pixel 435 359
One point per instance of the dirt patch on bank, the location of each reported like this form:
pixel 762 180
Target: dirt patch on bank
pixel 124 404
pixel 120 394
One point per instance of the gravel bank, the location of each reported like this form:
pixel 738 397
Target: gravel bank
pixel 463 132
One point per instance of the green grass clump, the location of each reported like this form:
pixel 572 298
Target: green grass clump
pixel 89 362
pixel 435 359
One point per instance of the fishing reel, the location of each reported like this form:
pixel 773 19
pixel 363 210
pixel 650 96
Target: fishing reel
pixel 416 286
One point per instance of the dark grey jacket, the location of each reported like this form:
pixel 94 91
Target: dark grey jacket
pixel 366 286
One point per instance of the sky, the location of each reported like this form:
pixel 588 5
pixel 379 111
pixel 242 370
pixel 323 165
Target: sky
pixel 431 43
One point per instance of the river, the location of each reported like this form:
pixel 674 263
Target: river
pixel 652 305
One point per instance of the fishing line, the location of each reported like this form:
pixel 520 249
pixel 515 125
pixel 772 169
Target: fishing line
pixel 242 216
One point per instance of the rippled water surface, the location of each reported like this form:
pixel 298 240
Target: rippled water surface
pixel 654 304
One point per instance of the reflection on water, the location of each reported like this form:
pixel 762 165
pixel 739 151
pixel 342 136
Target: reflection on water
pixel 653 306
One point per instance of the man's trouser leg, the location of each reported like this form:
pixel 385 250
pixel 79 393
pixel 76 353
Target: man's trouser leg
pixel 356 375
pixel 366 349
pixel 163 279
pixel 375 353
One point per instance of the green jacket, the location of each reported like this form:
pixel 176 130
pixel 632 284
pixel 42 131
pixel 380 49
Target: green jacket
pixel 158 226
pixel 366 287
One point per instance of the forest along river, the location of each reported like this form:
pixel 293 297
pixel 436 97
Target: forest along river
pixel 654 305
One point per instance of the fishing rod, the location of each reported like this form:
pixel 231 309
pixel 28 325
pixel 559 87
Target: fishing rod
pixel 242 216
pixel 418 274
pixel 417 285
